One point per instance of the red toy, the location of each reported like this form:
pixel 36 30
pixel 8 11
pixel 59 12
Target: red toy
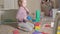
pixel 47 25
pixel 37 24
pixel 44 33
pixel 15 32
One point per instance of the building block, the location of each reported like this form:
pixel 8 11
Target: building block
pixel 44 33
pixel 38 15
pixel 15 32
pixel 36 32
pixel 37 24
pixel 58 27
pixel 29 17
pixel 58 32
pixel 37 28
pixel 47 25
pixel 33 20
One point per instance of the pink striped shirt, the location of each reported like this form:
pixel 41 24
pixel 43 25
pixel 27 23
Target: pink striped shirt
pixel 21 14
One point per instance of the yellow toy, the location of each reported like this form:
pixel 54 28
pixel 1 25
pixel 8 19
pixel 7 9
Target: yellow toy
pixel 58 32
pixel 37 27
pixel 58 27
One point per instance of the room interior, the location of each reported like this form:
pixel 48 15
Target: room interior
pixel 9 8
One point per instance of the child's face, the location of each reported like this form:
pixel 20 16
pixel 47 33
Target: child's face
pixel 24 3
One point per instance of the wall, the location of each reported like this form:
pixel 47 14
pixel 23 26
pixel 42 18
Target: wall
pixel 33 5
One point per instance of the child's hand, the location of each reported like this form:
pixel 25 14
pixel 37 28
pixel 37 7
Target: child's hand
pixel 26 10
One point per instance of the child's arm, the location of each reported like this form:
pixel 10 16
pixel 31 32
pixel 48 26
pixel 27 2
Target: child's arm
pixel 26 10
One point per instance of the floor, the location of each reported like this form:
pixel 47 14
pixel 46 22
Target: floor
pixel 9 28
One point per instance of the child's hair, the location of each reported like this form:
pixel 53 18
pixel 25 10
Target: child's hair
pixel 20 2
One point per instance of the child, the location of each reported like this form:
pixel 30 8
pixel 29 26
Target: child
pixel 22 16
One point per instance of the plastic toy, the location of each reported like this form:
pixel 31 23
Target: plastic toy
pixel 37 29
pixel 44 33
pixel 37 26
pixel 33 20
pixel 47 25
pixel 52 24
pixel 58 27
pixel 29 18
pixel 37 15
pixel 36 32
pixel 15 32
pixel 58 32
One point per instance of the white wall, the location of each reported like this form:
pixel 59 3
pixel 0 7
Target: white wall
pixel 33 5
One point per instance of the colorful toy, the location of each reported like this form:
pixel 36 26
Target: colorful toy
pixel 36 32
pixel 37 15
pixel 15 32
pixel 29 17
pixel 37 26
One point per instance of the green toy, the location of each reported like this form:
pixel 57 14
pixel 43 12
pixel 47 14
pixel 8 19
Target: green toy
pixel 38 15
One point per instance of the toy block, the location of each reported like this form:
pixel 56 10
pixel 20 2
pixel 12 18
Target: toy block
pixel 58 32
pixel 58 27
pixel 37 28
pixel 29 17
pixel 44 33
pixel 15 32
pixel 37 24
pixel 47 25
pixel 36 32
pixel 38 15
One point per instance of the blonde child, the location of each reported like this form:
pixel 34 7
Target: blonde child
pixel 22 16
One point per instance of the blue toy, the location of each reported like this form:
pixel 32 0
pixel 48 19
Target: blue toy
pixel 36 32
pixel 29 18
pixel 33 20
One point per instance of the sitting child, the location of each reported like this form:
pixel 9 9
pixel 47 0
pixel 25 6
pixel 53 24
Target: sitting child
pixel 22 16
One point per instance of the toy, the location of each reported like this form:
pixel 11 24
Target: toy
pixel 37 26
pixel 58 32
pixel 52 24
pixel 29 17
pixel 33 20
pixel 15 32
pixel 37 15
pixel 44 33
pixel 36 32
pixel 47 25
pixel 58 27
